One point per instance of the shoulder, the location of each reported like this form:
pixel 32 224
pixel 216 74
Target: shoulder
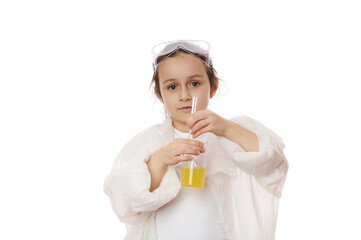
pixel 148 135
pixel 142 144
pixel 253 125
pixel 257 127
pixel 245 121
pixel 153 136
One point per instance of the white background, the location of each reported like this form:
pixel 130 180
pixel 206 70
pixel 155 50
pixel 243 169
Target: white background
pixel 75 88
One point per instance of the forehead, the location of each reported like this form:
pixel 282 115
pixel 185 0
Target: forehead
pixel 181 67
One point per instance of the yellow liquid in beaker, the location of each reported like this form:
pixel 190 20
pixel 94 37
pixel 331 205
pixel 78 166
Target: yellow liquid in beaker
pixel 197 179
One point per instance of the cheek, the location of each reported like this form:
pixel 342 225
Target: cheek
pixel 203 104
pixel 168 101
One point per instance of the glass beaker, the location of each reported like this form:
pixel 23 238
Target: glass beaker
pixel 193 172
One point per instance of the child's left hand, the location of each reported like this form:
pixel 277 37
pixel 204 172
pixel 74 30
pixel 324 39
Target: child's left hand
pixel 206 121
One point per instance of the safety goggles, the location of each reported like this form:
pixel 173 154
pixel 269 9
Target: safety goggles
pixel 197 48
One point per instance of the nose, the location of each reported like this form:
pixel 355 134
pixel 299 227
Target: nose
pixel 185 95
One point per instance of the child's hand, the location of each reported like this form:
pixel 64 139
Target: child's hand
pixel 172 153
pixel 206 121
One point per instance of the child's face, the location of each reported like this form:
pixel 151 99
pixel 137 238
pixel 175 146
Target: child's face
pixel 180 78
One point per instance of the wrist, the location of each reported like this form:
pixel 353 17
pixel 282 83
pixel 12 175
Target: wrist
pixel 157 170
pixel 242 136
pixel 229 129
pixel 156 160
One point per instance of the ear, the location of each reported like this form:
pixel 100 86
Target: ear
pixel 214 89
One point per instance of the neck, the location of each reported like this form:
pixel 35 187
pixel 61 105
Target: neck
pixel 180 127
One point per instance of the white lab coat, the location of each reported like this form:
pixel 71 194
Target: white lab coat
pixel 248 184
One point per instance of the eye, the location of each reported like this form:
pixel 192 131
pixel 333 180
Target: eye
pixel 171 87
pixel 194 84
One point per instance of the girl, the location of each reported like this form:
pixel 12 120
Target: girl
pixel 245 172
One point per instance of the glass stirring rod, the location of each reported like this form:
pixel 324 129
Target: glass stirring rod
pixel 194 109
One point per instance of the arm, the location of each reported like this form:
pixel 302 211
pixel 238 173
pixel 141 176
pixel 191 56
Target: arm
pixel 171 154
pixel 207 121
pixel 156 169
pixel 269 165
pixel 252 147
pixel 129 182
pixel 242 136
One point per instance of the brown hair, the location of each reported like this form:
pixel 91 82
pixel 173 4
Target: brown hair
pixel 211 72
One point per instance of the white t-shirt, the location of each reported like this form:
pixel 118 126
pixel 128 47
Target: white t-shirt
pixel 193 214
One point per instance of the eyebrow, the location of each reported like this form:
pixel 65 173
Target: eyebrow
pixel 173 79
pixel 168 80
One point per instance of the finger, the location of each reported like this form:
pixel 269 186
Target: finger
pixel 208 128
pixel 198 148
pixel 186 149
pixel 191 142
pixel 191 151
pixel 199 125
pixel 195 117
pixel 183 158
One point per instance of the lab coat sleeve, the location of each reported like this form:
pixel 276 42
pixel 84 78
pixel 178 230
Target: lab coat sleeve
pixel 128 183
pixel 269 165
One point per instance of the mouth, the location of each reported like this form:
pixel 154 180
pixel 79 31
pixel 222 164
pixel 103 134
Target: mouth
pixel 186 109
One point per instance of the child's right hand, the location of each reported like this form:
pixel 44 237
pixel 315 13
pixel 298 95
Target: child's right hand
pixel 173 152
